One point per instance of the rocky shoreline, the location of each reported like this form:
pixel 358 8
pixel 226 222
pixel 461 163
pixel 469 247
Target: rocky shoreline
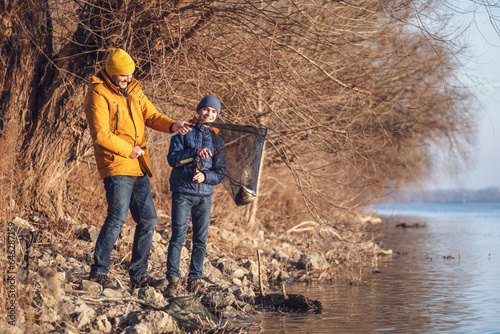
pixel 243 275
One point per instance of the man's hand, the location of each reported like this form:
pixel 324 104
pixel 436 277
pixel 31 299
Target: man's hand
pixel 203 153
pixel 182 127
pixel 136 152
pixel 199 177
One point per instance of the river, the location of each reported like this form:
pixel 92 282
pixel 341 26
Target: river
pixel 443 278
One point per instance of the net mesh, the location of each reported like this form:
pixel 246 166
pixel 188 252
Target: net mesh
pixel 243 155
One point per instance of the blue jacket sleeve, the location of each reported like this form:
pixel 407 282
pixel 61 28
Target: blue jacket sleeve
pixel 177 151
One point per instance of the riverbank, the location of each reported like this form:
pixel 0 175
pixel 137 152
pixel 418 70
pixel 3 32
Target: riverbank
pixel 52 294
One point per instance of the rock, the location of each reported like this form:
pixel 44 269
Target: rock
pixel 6 328
pixel 89 233
pixel 293 252
pixel 152 321
pixel 243 306
pixel 243 292
pixel 60 258
pixel 137 329
pixel 102 323
pixel 82 320
pixel 68 328
pixel 280 255
pixel 230 267
pixel 219 298
pixel 118 294
pixel 230 312
pixel 227 235
pixel 159 250
pixel 312 262
pixel 74 308
pixel 127 234
pixel 49 315
pixel 251 265
pixel 254 278
pixel 157 237
pixel 213 275
pixel 279 275
pixel 90 287
pixel 150 294
pixel 48 299
pixel 23 225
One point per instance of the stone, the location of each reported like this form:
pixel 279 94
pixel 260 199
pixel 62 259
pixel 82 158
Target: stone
pixel 150 294
pixel 227 235
pixel 157 237
pixel 251 265
pixel 151 321
pixel 312 262
pixel 89 233
pixel 137 329
pixel 112 293
pixel 91 287
pixel 60 258
pixel 82 320
pixel 219 298
pixel 230 267
pixel 280 255
pixel 103 324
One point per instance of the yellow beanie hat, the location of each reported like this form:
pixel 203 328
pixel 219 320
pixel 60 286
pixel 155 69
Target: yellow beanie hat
pixel 119 62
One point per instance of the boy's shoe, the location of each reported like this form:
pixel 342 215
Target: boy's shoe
pixel 195 286
pixel 103 280
pixel 147 281
pixel 174 283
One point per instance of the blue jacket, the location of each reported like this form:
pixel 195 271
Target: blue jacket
pixel 183 160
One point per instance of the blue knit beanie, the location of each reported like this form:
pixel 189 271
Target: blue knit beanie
pixel 209 101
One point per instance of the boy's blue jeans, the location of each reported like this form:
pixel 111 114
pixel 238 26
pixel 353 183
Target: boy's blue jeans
pixel 123 193
pixel 182 207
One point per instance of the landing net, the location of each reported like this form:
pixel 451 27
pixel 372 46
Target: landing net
pixel 243 155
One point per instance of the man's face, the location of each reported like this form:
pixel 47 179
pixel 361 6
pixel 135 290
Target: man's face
pixel 122 81
pixel 207 114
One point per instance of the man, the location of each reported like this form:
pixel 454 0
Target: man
pixel 198 164
pixel 117 112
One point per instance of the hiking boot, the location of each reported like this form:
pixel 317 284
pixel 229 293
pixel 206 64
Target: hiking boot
pixel 195 286
pixel 103 280
pixel 147 281
pixel 174 283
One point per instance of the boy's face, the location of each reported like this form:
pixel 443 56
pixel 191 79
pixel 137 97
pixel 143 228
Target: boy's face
pixel 207 114
pixel 121 81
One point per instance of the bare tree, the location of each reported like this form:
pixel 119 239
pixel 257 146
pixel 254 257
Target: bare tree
pixel 354 93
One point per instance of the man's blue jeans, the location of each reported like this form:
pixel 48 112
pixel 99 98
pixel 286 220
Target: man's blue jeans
pixel 182 207
pixel 124 193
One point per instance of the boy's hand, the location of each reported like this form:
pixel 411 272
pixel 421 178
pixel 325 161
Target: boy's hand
pixel 203 153
pixel 199 177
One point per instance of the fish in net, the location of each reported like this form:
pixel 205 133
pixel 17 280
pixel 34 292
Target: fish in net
pixel 243 154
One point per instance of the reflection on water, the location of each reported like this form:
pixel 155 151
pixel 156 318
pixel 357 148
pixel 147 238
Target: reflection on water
pixel 446 278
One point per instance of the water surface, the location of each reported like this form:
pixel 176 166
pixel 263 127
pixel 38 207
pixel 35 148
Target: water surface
pixel 444 278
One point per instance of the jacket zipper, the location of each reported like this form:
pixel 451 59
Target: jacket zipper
pixel 117 114
pixel 202 143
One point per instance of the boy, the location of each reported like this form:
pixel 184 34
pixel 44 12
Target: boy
pixel 198 165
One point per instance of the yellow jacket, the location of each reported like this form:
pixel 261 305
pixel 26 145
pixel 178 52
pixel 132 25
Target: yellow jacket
pixel 117 123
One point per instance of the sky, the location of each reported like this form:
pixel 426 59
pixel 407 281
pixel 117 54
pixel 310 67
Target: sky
pixel 485 171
